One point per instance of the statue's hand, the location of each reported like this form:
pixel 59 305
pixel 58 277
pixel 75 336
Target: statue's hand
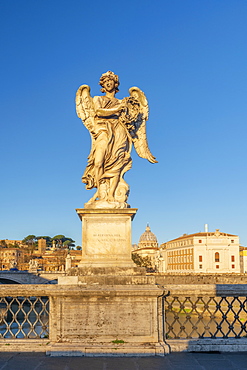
pixel 123 106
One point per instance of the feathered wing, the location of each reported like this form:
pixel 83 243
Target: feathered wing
pixel 85 111
pixel 85 107
pixel 138 132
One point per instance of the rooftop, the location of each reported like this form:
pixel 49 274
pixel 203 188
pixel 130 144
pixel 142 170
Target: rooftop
pixel 216 233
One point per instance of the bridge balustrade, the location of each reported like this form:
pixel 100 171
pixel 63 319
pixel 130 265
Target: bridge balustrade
pixel 194 317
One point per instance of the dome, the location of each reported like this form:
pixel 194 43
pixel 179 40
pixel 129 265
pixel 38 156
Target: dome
pixel 148 239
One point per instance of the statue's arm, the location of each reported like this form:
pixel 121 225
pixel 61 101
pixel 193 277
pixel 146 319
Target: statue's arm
pixel 107 112
pixel 102 112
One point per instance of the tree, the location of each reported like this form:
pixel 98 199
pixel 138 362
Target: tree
pixel 63 242
pixel 3 244
pixel 13 245
pixel 31 241
pixel 58 240
pixel 69 243
pixel 143 262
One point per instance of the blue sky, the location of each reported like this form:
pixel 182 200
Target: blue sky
pixel 189 57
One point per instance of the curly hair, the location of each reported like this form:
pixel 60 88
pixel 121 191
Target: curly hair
pixel 111 75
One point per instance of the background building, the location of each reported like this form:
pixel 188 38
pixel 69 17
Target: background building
pixel 243 259
pixel 10 258
pixel 204 252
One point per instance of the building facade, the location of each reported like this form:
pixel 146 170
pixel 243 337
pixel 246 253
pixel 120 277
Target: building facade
pixel 243 259
pixel 10 258
pixel 203 252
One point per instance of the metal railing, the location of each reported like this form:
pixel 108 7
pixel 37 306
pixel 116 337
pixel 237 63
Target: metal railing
pixel 24 317
pixel 196 312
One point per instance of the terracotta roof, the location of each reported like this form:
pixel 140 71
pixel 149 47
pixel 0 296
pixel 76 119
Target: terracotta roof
pixel 199 234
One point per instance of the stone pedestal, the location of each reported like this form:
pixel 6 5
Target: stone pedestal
pixel 107 306
pixel 106 237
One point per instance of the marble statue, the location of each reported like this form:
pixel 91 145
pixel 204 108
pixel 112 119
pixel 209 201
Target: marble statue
pixel 113 125
pixel 33 265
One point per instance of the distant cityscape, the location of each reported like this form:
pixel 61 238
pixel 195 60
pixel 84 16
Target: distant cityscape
pixel 199 253
pixel 43 254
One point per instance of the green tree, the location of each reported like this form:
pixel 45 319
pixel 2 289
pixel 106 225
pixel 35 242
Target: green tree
pixel 63 241
pixel 143 262
pixel 31 241
pixel 69 243
pixel 3 244
pixel 59 239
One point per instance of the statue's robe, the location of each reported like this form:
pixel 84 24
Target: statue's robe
pixel 113 135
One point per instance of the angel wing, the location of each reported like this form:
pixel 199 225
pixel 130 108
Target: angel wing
pixel 85 107
pixel 138 132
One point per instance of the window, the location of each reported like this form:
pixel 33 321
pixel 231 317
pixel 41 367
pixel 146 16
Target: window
pixel 217 266
pixel 200 241
pixel 200 266
pixel 200 258
pixel 233 258
pixel 233 266
pixel 217 257
pixel 232 241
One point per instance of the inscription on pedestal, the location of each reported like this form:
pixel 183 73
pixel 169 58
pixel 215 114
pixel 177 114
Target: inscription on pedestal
pixel 105 237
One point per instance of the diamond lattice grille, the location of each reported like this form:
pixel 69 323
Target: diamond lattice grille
pixel 24 317
pixel 205 317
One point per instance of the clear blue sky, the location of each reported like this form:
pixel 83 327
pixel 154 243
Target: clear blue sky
pixel 189 57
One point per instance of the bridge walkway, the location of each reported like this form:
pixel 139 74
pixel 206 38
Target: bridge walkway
pixel 174 361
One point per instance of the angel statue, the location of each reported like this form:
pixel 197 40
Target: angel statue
pixel 113 125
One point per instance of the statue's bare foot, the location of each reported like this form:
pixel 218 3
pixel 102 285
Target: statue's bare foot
pixel 111 198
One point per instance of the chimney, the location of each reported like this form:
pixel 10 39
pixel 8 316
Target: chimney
pixel 206 228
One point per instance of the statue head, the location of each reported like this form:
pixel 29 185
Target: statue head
pixel 109 75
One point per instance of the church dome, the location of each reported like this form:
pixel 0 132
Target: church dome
pixel 148 239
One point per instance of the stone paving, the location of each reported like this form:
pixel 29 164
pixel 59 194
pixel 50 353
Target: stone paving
pixel 174 361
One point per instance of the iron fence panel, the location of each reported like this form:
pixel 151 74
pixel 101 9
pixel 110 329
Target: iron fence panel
pixel 205 317
pixel 24 317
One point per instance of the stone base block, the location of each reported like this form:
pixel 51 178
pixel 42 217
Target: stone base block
pixel 106 237
pixel 106 271
pixel 106 276
pixel 105 280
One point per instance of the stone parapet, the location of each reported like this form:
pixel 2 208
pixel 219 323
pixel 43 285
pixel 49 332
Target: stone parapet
pixel 194 278
pixel 106 271
pixel 120 319
pixel 98 319
pixel 106 280
pixel 208 345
